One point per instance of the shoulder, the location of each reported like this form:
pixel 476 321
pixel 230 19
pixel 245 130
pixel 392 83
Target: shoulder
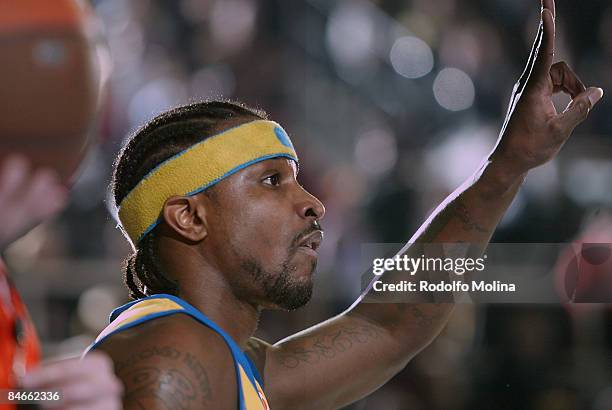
pixel 173 361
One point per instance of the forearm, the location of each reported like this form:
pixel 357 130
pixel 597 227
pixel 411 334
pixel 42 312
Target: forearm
pixel 469 215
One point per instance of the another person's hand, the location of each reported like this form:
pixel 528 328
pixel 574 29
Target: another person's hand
pixel 533 131
pixel 87 383
pixel 27 197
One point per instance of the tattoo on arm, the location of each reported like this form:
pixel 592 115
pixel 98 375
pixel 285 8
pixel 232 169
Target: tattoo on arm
pixel 456 209
pixel 423 319
pixel 329 345
pixel 461 212
pixel 180 385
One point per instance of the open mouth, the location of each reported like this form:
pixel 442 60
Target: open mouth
pixel 311 242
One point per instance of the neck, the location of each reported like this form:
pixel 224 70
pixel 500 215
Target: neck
pixel 237 318
pixel 209 292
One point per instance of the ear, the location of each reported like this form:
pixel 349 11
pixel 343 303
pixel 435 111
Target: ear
pixel 186 216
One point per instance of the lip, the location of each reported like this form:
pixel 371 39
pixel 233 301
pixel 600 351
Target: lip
pixel 310 243
pixel 308 251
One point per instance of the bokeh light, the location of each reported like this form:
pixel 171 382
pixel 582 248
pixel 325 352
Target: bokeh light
pixel 376 151
pixel 232 23
pixel 411 57
pixel 454 89
pixel 588 181
pixel 350 34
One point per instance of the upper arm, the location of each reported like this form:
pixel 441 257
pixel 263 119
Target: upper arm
pixel 330 365
pixel 173 363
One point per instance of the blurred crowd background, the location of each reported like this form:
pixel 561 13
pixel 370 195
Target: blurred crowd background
pixel 391 105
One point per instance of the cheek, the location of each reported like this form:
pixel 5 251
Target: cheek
pixel 261 231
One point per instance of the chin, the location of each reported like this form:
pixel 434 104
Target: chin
pixel 290 294
pixel 290 288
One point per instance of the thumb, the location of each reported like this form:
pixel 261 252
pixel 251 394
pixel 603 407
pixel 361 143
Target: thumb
pixel 579 108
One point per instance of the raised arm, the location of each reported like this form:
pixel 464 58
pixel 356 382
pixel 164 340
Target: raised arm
pixel 347 357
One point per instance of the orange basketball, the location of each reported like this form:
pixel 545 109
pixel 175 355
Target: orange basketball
pixel 50 81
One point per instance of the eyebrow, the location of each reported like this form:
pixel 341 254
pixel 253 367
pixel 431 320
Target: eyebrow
pixel 294 167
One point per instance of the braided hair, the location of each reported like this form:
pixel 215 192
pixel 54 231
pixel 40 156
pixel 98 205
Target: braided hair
pixel 164 136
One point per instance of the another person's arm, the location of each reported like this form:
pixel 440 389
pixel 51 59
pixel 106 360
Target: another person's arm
pixel 88 383
pixel 347 357
pixel 27 197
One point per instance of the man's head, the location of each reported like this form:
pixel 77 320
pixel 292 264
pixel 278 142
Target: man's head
pixel 249 226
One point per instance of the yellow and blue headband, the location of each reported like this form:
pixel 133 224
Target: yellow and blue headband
pixel 198 167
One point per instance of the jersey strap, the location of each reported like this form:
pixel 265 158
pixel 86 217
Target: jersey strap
pixel 250 390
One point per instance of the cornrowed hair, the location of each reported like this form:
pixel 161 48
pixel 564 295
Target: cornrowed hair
pixel 164 136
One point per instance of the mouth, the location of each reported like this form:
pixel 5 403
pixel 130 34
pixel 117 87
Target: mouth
pixel 310 243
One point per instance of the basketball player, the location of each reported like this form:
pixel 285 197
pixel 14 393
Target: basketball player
pixel 207 194
pixel 88 383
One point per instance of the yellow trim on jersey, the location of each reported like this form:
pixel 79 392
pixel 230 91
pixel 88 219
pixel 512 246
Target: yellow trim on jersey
pixel 139 310
pixel 253 400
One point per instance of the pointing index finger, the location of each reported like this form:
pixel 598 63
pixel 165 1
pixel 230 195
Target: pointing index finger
pixel 546 50
pixel 550 5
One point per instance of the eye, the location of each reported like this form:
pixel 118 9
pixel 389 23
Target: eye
pixel 273 179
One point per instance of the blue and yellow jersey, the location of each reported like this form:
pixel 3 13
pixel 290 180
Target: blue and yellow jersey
pixel 250 391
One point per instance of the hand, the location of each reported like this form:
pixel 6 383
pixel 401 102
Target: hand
pixel 533 131
pixel 87 383
pixel 26 198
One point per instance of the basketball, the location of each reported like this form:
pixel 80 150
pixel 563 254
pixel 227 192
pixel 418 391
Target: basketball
pixel 50 81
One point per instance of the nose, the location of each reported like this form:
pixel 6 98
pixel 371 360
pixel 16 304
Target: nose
pixel 309 206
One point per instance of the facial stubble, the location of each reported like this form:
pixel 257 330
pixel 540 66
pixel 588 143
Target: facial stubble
pixel 283 288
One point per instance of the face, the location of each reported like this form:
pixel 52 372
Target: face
pixel 263 233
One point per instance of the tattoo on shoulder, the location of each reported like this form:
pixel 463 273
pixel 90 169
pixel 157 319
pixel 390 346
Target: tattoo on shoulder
pixel 330 345
pixel 181 384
